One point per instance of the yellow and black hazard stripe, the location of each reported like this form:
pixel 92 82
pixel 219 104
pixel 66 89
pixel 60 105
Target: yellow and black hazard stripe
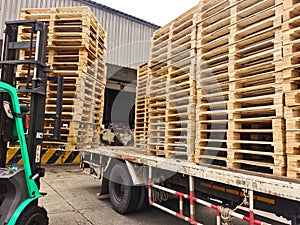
pixel 48 157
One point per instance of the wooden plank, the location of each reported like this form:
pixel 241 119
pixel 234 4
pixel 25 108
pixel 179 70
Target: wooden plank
pixel 210 8
pixel 248 7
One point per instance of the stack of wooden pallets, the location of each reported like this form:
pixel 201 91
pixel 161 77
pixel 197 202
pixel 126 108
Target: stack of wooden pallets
pixel 156 92
pixel 256 126
pixel 291 75
pixel 141 108
pixel 240 96
pixel 240 58
pixel 171 91
pixel 213 34
pixel 76 51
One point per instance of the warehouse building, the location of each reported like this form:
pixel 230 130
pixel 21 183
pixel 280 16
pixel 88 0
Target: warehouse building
pixel 128 44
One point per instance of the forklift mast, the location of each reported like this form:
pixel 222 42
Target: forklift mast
pixel 23 78
pixel 32 83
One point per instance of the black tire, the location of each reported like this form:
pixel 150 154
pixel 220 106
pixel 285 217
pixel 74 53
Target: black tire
pixel 124 197
pixel 143 203
pixel 33 215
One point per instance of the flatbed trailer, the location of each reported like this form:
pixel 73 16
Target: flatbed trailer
pixel 125 173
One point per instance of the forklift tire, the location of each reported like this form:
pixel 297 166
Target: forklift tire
pixel 33 215
pixel 124 196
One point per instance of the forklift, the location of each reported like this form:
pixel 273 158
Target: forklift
pixel 22 124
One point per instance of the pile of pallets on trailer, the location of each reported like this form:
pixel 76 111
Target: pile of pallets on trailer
pixel 76 51
pixel 291 84
pixel 229 94
pixel 240 108
pixel 171 90
pixel 141 108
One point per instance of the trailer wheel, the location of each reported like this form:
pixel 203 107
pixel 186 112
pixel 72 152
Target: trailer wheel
pixel 143 203
pixel 123 195
pixel 33 215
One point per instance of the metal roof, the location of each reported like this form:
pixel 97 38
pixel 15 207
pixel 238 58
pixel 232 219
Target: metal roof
pixel 119 13
pixel 128 37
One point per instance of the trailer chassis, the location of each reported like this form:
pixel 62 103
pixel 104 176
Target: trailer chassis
pixel 254 186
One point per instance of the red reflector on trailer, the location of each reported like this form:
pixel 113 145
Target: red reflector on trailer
pixel 130 159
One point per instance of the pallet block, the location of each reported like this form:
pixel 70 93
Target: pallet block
pixel 293 166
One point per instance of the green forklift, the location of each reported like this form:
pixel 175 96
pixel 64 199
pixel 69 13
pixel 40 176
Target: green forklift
pixel 22 124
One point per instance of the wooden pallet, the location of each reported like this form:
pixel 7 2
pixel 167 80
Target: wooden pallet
pixel 157 124
pixel 293 60
pixel 64 14
pixel 240 46
pixel 258 134
pixel 275 166
pixel 218 17
pixel 254 133
pixel 183 34
pixel 79 26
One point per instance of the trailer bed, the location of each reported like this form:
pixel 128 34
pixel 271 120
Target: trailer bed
pixel 269 184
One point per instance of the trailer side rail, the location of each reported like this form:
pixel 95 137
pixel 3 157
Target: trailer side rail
pixel 283 187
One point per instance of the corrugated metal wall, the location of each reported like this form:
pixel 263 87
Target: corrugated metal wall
pixel 128 40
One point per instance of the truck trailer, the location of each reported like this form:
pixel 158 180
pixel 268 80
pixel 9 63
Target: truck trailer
pixel 129 174
pixel 217 111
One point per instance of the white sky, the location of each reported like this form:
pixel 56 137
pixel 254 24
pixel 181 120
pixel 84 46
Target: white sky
pixel 159 12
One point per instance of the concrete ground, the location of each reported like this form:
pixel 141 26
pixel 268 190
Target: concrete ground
pixel 72 200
